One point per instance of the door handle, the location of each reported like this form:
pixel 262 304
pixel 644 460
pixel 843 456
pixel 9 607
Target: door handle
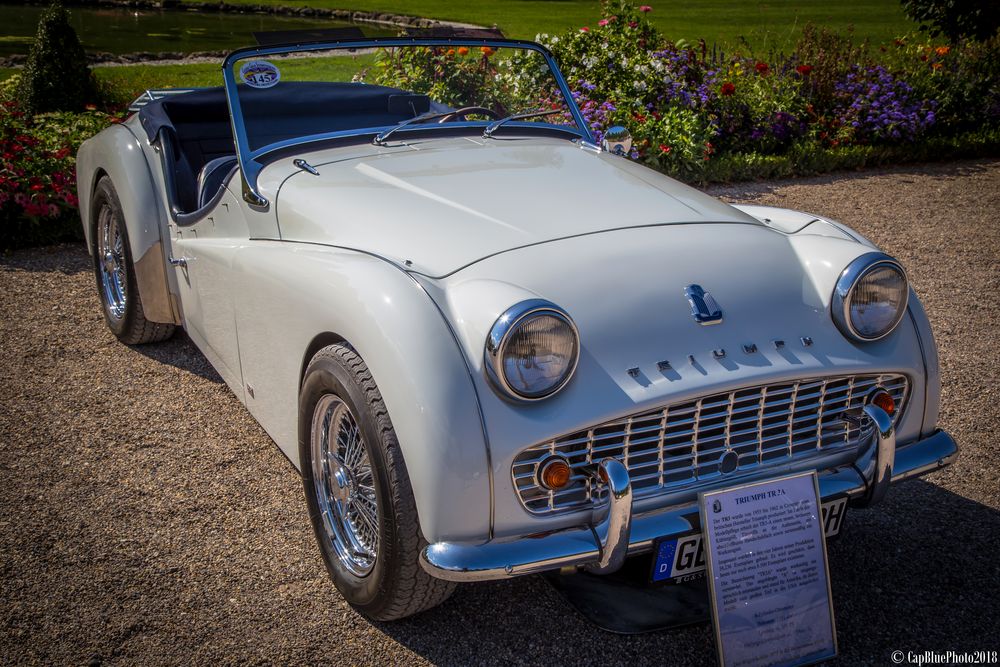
pixel 178 261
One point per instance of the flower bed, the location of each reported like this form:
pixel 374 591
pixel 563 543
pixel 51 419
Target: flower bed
pixel 700 114
pixel 694 112
pixel 37 172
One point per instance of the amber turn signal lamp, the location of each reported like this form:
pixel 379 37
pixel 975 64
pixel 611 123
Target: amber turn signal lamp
pixel 882 399
pixel 554 473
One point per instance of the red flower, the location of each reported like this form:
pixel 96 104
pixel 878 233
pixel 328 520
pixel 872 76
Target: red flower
pixel 728 88
pixel 645 9
pixel 38 187
pixel 633 24
pixel 761 68
pixel 61 153
pixel 804 70
pixel 664 149
pixel 584 29
pixel 602 22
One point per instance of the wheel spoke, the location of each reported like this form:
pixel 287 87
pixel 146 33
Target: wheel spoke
pixel 367 514
pixel 363 475
pixel 344 485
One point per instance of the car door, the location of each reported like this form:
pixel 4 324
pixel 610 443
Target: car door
pixel 203 255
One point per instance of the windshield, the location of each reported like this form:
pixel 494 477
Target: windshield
pixel 383 89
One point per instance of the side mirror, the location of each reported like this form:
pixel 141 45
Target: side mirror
pixel 617 140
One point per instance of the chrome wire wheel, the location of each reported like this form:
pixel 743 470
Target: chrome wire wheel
pixel 111 262
pixel 344 485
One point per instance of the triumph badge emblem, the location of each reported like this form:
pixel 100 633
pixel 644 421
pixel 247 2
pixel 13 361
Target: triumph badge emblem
pixel 704 308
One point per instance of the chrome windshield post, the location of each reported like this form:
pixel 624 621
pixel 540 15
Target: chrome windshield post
pixel 614 531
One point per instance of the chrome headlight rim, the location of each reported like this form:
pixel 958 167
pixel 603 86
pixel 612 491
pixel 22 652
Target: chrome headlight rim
pixel 843 293
pixel 500 334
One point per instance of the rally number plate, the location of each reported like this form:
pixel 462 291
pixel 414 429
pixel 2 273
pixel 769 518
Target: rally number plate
pixel 682 559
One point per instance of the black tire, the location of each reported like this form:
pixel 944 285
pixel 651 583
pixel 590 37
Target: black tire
pixel 396 586
pixel 126 320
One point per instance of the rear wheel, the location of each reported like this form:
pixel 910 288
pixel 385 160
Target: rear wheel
pixel 358 491
pixel 115 273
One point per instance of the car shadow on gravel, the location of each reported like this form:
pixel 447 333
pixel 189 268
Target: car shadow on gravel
pixel 920 572
pixel 180 352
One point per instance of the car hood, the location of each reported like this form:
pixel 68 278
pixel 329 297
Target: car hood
pixel 640 345
pixel 438 205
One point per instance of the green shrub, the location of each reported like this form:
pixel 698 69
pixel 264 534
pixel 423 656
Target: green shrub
pixel 56 76
pixel 956 19
pixel 963 79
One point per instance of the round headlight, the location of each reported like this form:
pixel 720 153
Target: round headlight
pixel 870 297
pixel 532 350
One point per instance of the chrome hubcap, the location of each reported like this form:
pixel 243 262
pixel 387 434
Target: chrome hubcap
pixel 344 485
pixel 111 253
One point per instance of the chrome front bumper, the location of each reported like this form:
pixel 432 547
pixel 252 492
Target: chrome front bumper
pixel 602 545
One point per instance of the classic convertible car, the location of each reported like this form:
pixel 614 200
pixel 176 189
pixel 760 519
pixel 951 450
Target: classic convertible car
pixel 493 344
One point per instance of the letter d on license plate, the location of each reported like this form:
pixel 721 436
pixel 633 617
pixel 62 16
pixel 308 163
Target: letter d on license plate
pixel 680 559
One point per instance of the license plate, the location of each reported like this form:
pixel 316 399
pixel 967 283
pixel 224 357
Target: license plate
pixel 682 559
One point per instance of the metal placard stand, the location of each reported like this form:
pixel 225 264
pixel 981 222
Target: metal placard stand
pixel 768 574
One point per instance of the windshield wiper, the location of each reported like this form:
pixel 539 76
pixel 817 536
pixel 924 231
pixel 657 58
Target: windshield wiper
pixel 495 125
pixel 381 137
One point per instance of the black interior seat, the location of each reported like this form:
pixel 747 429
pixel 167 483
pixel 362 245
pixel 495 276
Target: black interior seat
pixel 212 176
pixel 199 127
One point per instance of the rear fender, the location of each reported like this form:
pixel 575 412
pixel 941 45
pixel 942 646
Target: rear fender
pixel 116 152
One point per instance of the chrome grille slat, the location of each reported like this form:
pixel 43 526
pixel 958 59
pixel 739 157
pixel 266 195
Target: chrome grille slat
pixel 680 446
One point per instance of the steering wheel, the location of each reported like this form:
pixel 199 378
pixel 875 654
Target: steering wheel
pixel 466 111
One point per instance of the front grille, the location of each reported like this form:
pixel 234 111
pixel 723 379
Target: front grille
pixel 681 446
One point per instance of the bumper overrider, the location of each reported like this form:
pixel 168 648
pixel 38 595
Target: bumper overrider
pixel 614 533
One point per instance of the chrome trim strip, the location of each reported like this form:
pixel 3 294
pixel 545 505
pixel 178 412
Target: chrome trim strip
pixel 840 303
pixel 530 554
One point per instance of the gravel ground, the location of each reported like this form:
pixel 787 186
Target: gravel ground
pixel 146 518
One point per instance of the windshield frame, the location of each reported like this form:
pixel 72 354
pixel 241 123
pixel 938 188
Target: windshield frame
pixel 251 160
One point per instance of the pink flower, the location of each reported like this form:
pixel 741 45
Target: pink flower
pixel 602 22
pixel 584 29
pixel 645 9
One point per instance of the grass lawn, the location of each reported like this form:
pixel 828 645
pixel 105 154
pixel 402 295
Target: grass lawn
pixel 128 82
pixel 766 25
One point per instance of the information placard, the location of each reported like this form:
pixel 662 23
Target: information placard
pixel 768 573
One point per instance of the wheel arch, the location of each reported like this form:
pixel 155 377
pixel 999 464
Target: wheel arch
pixel 296 299
pixel 116 153
pixel 319 341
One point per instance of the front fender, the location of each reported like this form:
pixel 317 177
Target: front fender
pixel 115 151
pixel 292 293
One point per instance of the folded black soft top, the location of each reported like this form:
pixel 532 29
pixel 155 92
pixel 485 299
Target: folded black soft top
pixel 334 102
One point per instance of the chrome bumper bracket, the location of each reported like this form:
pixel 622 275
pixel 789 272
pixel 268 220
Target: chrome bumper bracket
pixel 603 548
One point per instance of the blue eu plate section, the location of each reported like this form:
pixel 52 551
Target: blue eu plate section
pixel 682 559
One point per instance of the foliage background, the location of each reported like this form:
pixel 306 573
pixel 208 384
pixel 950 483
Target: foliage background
pixel 697 112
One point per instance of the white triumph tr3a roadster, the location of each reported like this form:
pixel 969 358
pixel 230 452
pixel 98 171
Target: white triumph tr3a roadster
pixel 492 345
